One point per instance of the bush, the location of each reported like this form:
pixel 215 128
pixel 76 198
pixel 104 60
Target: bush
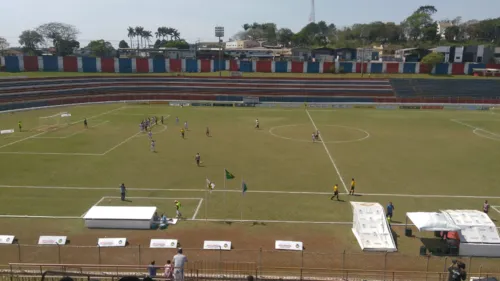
pixel 332 69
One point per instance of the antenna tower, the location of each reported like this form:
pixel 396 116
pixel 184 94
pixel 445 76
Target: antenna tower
pixel 312 16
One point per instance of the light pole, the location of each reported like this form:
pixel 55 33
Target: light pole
pixel 219 33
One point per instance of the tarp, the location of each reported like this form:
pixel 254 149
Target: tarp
pixel 476 226
pixel 370 227
pixel 432 221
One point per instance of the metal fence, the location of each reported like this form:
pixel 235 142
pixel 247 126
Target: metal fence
pixel 258 259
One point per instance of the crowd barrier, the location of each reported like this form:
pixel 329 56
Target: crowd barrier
pixel 160 65
pixel 250 260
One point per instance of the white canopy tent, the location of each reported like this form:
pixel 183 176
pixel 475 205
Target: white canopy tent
pixel 478 234
pixel 432 221
pixel 370 227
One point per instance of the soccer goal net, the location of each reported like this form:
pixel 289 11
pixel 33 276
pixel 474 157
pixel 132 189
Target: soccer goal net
pixel 54 121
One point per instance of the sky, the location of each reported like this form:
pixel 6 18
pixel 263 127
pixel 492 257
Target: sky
pixel 196 19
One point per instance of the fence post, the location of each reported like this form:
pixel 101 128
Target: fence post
pixel 59 252
pixel 140 260
pixel 99 253
pixel 302 259
pixel 445 262
pixel 19 252
pixel 470 264
pixel 427 267
pixel 385 264
pixel 260 262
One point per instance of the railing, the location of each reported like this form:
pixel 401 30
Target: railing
pixel 219 271
pixel 266 261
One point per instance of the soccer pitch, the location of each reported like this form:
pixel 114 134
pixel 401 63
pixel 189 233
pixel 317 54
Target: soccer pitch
pixel 419 160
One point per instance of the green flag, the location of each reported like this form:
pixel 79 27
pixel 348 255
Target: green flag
pixel 229 176
pixel 244 187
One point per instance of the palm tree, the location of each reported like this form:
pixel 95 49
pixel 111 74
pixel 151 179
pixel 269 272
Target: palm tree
pixel 176 34
pixel 169 32
pixel 164 30
pixel 147 35
pixel 159 32
pixel 139 30
pixel 131 35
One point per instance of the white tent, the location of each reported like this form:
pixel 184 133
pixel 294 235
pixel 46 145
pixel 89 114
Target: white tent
pixel 478 234
pixel 432 221
pixel 370 227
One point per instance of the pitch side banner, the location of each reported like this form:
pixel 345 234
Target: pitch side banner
pixel 217 245
pixel 163 243
pixel 52 240
pixel 289 245
pixel 7 239
pixel 112 242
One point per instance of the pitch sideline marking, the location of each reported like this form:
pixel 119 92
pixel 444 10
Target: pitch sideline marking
pixel 495 208
pixel 367 134
pixel 197 209
pixel 39 134
pixel 329 155
pixel 475 129
pixel 252 191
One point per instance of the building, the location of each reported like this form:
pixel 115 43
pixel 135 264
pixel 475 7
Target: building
pixel 242 44
pixel 411 54
pixel 441 28
pixel 253 53
pixel 302 54
pixel 459 54
pixel 323 54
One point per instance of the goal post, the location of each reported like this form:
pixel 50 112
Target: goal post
pixel 54 121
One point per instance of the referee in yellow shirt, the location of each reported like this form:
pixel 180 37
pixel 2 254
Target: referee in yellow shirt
pixel 335 192
pixel 353 186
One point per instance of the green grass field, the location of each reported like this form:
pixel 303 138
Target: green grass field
pixel 419 160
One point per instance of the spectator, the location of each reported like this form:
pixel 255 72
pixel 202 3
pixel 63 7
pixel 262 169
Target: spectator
pixel 486 207
pixel 457 271
pixel 179 261
pixel 152 269
pixel 169 270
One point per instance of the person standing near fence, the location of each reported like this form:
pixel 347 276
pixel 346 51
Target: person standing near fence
pixel 123 190
pixel 179 260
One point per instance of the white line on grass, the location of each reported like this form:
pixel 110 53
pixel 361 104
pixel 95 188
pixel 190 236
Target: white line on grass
pixel 474 127
pixel 77 132
pixel 328 153
pixel 495 208
pixel 250 191
pixel 50 153
pixel 38 217
pixel 153 198
pixel 125 141
pixel 42 133
pixel 197 209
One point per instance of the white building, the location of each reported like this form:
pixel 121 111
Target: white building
pixel 442 26
pixel 242 44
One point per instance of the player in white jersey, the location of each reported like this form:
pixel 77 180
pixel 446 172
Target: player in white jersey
pixel 186 126
pixel 150 134
pixel 314 137
pixel 153 144
pixel 257 125
pixel 176 120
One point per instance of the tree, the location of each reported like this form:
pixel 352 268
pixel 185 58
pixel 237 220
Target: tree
pixel 4 45
pixel 123 45
pixel 284 37
pixel 421 19
pixel 433 59
pixel 139 30
pixel 452 33
pixel 131 34
pixel 101 48
pixel 147 35
pixel 66 47
pixel 57 31
pixel 179 44
pixel 30 40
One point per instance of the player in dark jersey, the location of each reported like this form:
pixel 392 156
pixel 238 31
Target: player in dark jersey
pixel 85 123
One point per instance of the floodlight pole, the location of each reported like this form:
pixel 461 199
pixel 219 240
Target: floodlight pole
pixel 219 33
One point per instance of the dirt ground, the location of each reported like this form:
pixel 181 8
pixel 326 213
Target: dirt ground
pixel 253 246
